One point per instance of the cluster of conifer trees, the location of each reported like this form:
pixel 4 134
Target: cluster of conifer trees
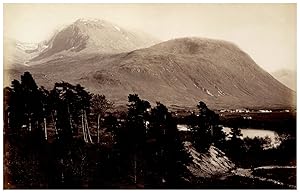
pixel 147 147
pixel 58 139
pixel 146 143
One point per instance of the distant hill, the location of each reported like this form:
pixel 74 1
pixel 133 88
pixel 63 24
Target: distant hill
pixel 286 77
pixel 178 72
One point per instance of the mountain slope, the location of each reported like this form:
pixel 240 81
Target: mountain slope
pixel 94 36
pixel 178 72
pixel 18 54
pixel 287 77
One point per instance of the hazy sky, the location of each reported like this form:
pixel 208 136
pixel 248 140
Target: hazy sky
pixel 267 32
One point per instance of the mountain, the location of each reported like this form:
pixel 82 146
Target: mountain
pixel 94 36
pixel 84 36
pixel 178 73
pixel 15 52
pixel 286 77
pixel 18 54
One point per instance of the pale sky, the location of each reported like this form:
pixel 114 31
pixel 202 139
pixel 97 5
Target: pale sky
pixel 267 32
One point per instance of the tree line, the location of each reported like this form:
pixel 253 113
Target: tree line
pixel 56 139
pixel 146 148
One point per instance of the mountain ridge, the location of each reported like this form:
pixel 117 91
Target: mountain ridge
pixel 95 35
pixel 216 72
pixel 178 72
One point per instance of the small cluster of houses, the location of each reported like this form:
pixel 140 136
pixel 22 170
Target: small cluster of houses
pixel 234 110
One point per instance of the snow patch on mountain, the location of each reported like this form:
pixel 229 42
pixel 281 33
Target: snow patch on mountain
pixel 26 46
pixel 209 93
pixel 117 28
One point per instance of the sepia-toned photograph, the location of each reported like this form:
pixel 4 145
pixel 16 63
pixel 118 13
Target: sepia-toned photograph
pixel 149 96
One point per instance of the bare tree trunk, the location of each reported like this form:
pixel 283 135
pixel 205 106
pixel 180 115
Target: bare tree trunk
pixel 98 128
pixel 83 128
pixel 8 116
pixel 135 166
pixel 54 123
pixel 70 119
pixel 62 172
pixel 45 128
pixel 87 128
pixel 29 123
pixel 37 124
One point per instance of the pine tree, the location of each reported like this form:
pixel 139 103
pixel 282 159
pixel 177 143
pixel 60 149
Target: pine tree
pixel 205 130
pixel 134 135
pixel 99 106
pixel 16 107
pixel 235 145
pixel 32 101
pixel 25 106
pixel 70 105
pixel 7 93
pixel 166 155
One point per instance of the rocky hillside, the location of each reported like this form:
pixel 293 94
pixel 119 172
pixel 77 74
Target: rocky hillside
pixel 178 72
pixel 210 164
